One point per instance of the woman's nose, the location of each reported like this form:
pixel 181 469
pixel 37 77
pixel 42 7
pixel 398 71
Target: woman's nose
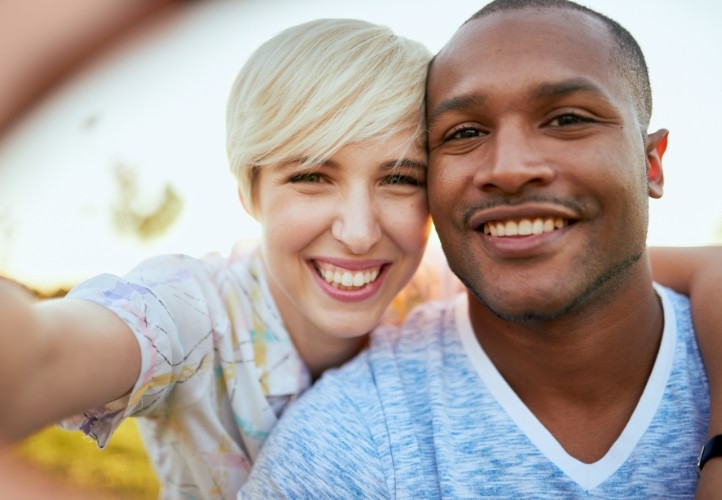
pixel 356 223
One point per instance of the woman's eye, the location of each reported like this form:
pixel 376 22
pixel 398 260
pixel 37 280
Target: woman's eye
pixel 306 177
pixel 568 119
pixel 398 179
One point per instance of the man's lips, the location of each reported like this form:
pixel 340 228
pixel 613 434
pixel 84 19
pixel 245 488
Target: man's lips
pixel 525 226
pixel 526 220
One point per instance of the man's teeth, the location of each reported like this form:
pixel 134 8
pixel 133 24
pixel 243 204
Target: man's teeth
pixel 524 227
pixel 343 278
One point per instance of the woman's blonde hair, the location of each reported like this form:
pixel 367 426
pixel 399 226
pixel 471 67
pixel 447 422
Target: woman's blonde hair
pixel 318 86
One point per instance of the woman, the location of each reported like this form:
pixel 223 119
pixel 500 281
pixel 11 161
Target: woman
pixel 326 140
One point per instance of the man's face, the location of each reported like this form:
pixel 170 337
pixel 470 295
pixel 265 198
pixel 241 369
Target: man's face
pixel 537 177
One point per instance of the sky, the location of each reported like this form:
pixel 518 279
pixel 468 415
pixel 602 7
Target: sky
pixel 152 107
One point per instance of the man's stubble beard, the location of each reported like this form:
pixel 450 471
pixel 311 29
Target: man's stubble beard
pixel 608 282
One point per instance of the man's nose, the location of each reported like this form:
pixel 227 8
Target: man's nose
pixel 513 160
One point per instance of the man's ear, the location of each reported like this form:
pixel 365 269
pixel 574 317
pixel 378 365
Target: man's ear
pixel 655 148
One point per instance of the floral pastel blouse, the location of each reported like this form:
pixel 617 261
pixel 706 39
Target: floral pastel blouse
pixel 218 367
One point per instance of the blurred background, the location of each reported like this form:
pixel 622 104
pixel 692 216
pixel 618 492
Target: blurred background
pixel 112 144
pixel 112 120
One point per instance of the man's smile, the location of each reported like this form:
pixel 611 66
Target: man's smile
pixel 524 226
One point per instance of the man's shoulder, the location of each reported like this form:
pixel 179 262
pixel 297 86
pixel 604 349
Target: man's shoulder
pixel 379 375
pixel 336 428
pixel 339 390
pixel 678 321
pixel 677 309
pixel 355 425
pixel 428 321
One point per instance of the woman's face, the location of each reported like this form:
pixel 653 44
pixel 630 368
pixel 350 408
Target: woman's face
pixel 342 238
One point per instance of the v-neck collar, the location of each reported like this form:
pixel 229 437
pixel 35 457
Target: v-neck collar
pixel 587 476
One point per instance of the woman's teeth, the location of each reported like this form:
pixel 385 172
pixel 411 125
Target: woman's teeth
pixel 524 227
pixel 345 279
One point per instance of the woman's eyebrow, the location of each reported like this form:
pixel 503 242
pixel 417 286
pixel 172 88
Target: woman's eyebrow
pixel 303 162
pixel 404 162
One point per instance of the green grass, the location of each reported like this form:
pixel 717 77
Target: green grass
pixel 121 469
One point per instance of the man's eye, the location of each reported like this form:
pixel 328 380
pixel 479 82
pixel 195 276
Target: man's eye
pixel 306 177
pixel 568 119
pixel 464 133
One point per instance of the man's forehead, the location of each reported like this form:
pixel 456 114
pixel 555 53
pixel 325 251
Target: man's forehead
pixel 505 37
pixel 528 27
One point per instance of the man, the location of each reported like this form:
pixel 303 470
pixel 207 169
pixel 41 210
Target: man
pixel 564 372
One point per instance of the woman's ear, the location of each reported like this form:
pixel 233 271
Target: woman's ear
pixel 247 204
pixel 655 149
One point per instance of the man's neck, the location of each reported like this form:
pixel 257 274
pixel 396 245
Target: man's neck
pixel 581 375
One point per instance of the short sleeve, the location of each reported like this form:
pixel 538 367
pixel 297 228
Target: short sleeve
pixel 168 303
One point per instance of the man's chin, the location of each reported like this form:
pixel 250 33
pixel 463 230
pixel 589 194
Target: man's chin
pixel 528 316
pixel 524 310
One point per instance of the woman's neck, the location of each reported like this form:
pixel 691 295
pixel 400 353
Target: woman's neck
pixel 321 352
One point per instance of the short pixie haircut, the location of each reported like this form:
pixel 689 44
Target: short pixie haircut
pixel 317 86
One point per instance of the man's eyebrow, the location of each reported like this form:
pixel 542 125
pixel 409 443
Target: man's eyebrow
pixel 566 87
pixel 404 162
pixel 455 104
pixel 543 91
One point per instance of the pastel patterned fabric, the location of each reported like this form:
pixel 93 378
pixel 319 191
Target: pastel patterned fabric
pixel 218 366
pixel 423 413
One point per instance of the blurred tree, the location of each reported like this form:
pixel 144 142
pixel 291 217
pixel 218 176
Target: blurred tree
pixel 134 215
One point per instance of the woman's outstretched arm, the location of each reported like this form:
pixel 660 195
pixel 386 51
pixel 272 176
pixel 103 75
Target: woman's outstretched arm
pixel 59 357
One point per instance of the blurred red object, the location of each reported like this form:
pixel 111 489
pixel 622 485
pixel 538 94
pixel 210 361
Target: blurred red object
pixel 43 40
